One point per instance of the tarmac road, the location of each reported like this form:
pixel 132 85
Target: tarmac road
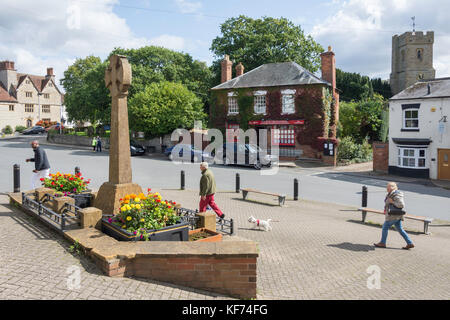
pixel 159 172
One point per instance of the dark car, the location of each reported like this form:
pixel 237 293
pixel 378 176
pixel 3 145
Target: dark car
pixel 136 149
pixel 196 154
pixel 34 130
pixel 246 155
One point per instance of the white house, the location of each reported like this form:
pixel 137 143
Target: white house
pixel 26 99
pixel 419 130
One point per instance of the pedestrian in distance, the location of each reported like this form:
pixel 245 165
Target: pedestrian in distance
pixel 207 191
pixel 94 143
pixel 41 164
pixel 394 197
pixel 99 144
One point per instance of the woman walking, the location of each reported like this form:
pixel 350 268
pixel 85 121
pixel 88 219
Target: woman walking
pixel 94 143
pixel 395 197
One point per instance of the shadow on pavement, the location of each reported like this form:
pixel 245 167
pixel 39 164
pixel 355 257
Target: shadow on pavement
pixel 353 247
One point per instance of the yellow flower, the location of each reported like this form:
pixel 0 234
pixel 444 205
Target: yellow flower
pixel 137 199
pixel 129 218
pixel 138 206
pixel 123 209
pixel 128 207
pixel 133 206
pixel 124 226
pixel 142 220
pixel 141 195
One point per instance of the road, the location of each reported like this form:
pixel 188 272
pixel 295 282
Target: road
pixel 314 184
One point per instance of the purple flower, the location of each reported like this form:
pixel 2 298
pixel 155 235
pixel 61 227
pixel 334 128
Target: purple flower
pixel 135 232
pixel 109 220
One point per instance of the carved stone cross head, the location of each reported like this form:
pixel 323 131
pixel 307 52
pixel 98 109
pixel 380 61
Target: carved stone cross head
pixel 118 76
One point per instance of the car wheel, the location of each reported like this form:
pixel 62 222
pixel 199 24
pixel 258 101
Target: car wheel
pixel 257 165
pixel 170 156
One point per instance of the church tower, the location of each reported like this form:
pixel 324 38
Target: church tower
pixel 412 59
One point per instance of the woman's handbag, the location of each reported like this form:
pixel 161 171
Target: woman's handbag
pixel 393 210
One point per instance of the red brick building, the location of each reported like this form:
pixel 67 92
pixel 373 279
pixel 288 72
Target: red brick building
pixel 282 96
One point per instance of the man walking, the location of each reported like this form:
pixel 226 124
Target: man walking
pixel 207 190
pixel 94 143
pixel 41 165
pixel 99 144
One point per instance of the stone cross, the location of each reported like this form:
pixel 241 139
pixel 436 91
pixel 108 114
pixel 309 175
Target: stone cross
pixel 118 80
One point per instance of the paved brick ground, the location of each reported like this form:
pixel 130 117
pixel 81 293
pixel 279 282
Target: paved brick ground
pixel 315 251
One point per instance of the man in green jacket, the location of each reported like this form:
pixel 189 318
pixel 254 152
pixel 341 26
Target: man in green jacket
pixel 207 190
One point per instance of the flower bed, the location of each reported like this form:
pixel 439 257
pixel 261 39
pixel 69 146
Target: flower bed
pixel 204 235
pixel 74 186
pixel 144 217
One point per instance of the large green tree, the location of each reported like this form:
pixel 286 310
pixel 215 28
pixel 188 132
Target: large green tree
pixel 254 42
pixel 86 97
pixel 163 107
pixel 355 87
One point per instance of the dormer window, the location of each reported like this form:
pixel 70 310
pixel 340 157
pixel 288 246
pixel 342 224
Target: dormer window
pixel 29 94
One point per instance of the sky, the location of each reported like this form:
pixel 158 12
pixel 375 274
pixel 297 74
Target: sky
pixel 53 33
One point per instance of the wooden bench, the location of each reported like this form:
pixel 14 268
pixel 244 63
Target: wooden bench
pixel 281 197
pixel 426 221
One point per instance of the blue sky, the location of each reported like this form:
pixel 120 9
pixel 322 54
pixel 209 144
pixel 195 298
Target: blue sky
pixel 53 33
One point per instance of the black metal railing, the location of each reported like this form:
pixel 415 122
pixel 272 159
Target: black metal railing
pixel 189 216
pixel 51 218
pixel 225 226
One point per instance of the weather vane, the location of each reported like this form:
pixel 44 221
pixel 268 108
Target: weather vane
pixel 414 23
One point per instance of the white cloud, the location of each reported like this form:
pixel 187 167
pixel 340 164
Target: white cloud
pixel 360 32
pixel 187 6
pixel 48 33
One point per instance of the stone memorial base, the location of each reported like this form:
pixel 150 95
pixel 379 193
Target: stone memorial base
pixel 109 195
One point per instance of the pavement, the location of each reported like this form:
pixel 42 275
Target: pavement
pixel 315 250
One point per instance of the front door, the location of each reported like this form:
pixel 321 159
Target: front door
pixel 444 164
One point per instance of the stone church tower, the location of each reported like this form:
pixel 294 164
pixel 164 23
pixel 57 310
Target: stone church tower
pixel 412 59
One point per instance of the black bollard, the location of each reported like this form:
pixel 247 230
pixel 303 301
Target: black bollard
pixel 16 175
pixel 77 170
pixel 238 183
pixel 182 179
pixel 364 197
pixel 295 189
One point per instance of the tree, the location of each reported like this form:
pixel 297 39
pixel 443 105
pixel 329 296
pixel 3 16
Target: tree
pixel 152 64
pixel 163 107
pixel 86 97
pixel 354 86
pixel 362 119
pixel 254 42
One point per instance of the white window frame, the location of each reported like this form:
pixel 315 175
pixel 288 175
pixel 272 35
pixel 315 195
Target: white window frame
pixel 285 94
pixel 233 107
pixel 404 119
pixel 413 154
pixel 260 96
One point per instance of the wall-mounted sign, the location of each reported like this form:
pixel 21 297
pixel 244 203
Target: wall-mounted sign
pixel 273 122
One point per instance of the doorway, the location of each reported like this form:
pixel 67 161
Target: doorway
pixel 444 164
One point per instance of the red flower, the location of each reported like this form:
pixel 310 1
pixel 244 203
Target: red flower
pixel 53 183
pixel 61 186
pixel 157 200
pixel 42 179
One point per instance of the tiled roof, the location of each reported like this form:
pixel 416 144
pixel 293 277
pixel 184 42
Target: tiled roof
pixel 38 81
pixel 273 74
pixel 5 96
pixel 438 88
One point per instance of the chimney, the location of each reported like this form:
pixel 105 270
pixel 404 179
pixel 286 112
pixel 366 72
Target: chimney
pixel 49 71
pixel 329 67
pixel 239 70
pixel 226 69
pixel 8 75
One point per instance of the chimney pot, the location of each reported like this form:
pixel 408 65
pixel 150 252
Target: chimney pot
pixel 239 70
pixel 50 71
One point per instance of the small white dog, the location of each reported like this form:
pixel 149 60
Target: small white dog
pixel 261 223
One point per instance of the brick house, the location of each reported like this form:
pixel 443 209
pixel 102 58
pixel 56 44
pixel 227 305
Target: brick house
pixel 26 99
pixel 282 96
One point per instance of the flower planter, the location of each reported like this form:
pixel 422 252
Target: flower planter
pixel 176 232
pixel 212 235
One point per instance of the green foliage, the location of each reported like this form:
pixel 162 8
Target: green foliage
pixel 349 151
pixel 7 129
pixel 20 128
pixel 254 42
pixel 362 119
pixel 163 107
pixel 384 129
pixel 86 97
pixel 355 87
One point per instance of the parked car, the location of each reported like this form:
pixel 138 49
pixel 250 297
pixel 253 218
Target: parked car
pixel 247 155
pixel 196 154
pixel 136 149
pixel 34 130
pixel 54 127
